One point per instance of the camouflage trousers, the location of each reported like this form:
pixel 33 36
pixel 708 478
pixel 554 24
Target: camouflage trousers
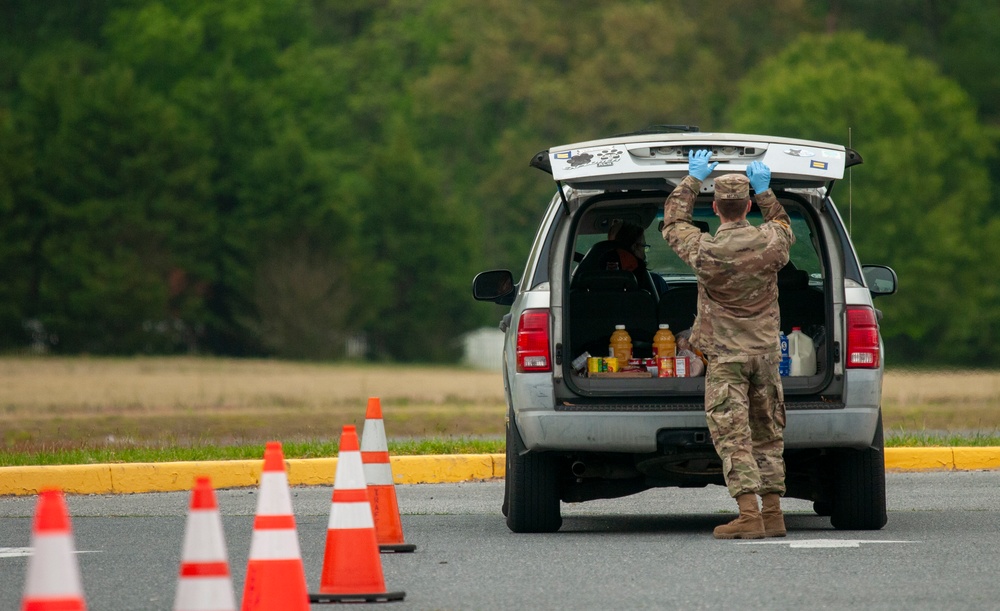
pixel 745 408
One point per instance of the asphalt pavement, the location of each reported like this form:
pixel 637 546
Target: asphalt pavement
pixel 654 550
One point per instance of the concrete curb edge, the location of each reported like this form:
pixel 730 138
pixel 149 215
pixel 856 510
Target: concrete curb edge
pixel 130 478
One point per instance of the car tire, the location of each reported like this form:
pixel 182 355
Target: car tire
pixel 859 493
pixel 532 493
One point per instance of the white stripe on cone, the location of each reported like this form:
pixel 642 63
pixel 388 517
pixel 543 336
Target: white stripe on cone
pixel 351 515
pixel 204 542
pixel 205 594
pixel 378 474
pixel 278 501
pixel 350 474
pixel 274 544
pixel 375 442
pixel 52 568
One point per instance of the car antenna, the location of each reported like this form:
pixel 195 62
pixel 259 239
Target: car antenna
pixel 850 189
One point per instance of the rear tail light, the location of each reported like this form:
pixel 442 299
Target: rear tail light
pixel 862 338
pixel 533 342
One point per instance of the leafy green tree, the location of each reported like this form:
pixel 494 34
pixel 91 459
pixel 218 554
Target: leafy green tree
pixel 920 202
pixel 275 176
pixel 418 253
pixel 101 204
pixel 15 173
pixel 221 64
pixel 309 246
pixel 958 35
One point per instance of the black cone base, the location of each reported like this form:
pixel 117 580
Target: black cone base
pixel 399 548
pixel 382 597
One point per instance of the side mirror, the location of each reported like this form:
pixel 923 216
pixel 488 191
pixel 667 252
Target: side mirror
pixel 881 280
pixel 496 286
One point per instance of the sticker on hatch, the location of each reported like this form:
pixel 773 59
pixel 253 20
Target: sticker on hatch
pixel 794 152
pixel 574 159
pixel 608 157
pixel 601 158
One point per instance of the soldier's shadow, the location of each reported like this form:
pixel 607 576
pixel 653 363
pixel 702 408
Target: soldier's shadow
pixel 690 524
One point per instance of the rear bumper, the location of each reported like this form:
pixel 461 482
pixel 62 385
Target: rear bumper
pixel 544 429
pixel 636 433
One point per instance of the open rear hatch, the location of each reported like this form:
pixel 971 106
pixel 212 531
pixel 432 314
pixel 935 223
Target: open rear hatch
pixel 660 161
pixel 657 162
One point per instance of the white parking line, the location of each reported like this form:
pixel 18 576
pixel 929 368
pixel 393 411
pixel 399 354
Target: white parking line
pixel 14 552
pixel 20 552
pixel 813 543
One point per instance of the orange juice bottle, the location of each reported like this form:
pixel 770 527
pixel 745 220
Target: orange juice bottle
pixel 664 343
pixel 621 344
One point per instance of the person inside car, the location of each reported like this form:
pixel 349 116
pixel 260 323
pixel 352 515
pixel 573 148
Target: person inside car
pixel 629 254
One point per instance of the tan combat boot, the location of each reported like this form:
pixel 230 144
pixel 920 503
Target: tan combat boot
pixel 748 525
pixel 770 511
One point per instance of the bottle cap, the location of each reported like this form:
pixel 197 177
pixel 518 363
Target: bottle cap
pixel 664 326
pixel 619 326
pixel 796 328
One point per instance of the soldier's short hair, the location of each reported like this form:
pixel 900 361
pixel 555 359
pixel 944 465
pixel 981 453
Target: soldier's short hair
pixel 731 209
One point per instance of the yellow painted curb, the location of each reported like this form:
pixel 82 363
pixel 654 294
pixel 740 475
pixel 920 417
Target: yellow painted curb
pixel 968 459
pixel 919 459
pixel 127 478
pixel 942 459
pixel 94 479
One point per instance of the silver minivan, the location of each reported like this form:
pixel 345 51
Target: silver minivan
pixel 574 436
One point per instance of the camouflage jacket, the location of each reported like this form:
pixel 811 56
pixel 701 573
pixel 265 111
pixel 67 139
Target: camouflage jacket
pixel 737 272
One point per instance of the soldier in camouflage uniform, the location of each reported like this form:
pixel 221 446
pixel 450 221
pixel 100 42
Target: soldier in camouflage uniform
pixel 737 328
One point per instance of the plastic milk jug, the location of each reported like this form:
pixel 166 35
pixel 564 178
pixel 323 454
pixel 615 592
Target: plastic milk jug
pixel 664 343
pixel 785 367
pixel 621 344
pixel 802 353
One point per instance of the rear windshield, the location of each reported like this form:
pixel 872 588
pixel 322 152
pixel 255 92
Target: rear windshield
pixel 661 258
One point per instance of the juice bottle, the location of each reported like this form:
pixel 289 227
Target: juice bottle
pixel 621 344
pixel 664 343
pixel 802 353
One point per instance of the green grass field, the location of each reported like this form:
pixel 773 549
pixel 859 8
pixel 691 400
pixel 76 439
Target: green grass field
pixel 89 410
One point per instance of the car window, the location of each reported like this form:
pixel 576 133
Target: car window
pixel 804 256
pixel 584 242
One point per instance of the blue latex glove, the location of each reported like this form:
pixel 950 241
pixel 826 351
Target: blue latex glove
pixel 760 176
pixel 698 164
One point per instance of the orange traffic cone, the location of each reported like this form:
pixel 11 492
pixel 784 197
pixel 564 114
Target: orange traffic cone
pixel 204 583
pixel 352 570
pixel 276 579
pixel 381 488
pixel 53 580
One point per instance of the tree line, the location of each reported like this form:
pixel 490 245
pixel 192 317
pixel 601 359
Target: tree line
pixel 293 177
